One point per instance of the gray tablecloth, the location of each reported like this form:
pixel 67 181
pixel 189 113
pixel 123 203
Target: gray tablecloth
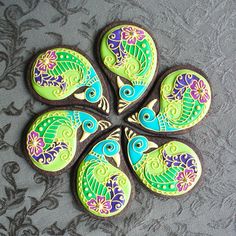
pixel 198 32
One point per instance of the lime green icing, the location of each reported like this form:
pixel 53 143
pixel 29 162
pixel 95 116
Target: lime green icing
pixel 52 138
pixel 131 57
pixel 172 169
pixel 104 190
pixel 57 73
pixel 179 107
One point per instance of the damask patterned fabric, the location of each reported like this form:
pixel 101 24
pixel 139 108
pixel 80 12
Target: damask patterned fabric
pixel 201 33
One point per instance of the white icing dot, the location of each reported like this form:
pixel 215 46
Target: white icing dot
pixel 149 58
pixel 67 56
pixel 172 186
pixel 86 189
pixel 76 60
pixel 49 121
pixel 144 45
pixel 164 187
pixel 61 56
pixel 158 185
pixel 147 51
pixel 44 124
pixel 90 195
pixel 40 129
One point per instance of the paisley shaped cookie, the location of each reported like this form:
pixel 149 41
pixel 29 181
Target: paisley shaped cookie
pixel 101 187
pixel 56 138
pixel 185 98
pixel 62 76
pixel 129 56
pixel 169 168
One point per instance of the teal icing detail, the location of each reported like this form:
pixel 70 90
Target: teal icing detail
pixel 107 148
pixel 136 147
pixel 89 123
pixel 149 120
pixel 94 91
pixel 131 93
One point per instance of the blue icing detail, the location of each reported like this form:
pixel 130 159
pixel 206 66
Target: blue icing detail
pixel 149 120
pixel 94 91
pixel 136 147
pixel 107 148
pixel 90 157
pixel 131 93
pixel 88 122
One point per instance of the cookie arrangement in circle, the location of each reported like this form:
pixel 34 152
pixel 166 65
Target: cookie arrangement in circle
pixel 77 129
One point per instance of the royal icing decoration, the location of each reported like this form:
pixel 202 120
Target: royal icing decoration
pixel 52 140
pixel 103 189
pixel 185 98
pixel 129 52
pixel 59 72
pixel 172 169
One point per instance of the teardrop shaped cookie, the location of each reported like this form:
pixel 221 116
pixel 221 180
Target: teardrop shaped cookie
pixel 56 138
pixel 169 168
pixel 101 187
pixel 185 98
pixel 62 76
pixel 129 56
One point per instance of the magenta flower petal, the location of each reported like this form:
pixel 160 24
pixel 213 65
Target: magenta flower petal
pixel 131 40
pixel 41 142
pixel 107 204
pixel 53 55
pixel 140 32
pixel 124 35
pixel 185 179
pixel 42 68
pixel 179 186
pixel 51 65
pixel 199 91
pixel 35 143
pixel 101 199
pixel 131 34
pixel 100 204
pixel 31 150
pixel 92 202
pixel 141 37
pixel 180 176
pixel 47 61
pixel 38 151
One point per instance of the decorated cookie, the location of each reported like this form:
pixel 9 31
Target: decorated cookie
pixel 170 169
pixel 57 137
pixel 185 98
pixel 62 76
pixel 101 187
pixel 129 56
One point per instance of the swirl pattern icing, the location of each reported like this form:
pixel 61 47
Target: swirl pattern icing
pixel 104 190
pixel 52 138
pixel 172 169
pixel 129 52
pixel 185 98
pixel 57 73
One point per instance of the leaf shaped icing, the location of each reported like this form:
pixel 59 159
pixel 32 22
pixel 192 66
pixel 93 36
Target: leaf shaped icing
pixel 185 98
pixel 52 139
pixel 103 189
pixel 130 53
pixel 57 74
pixel 171 169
